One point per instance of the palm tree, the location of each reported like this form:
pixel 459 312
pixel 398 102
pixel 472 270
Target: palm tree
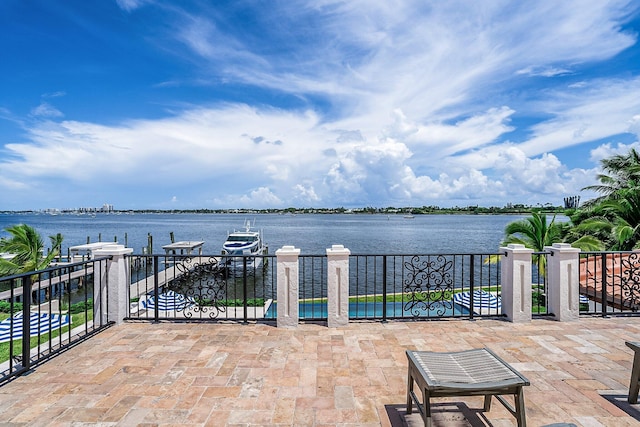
pixel 619 218
pixel 622 172
pixel 28 249
pixel 536 233
pixel 533 232
pixel 614 217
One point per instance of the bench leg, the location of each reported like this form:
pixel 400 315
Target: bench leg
pixel 409 391
pixel 519 408
pixel 427 408
pixel 487 403
pixel 635 376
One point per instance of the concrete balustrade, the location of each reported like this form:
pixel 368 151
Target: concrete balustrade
pixel 113 305
pixel 563 287
pixel 515 270
pixel 338 286
pixel 288 287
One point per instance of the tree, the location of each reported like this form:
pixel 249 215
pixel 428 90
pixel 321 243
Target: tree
pixel 620 218
pixel 614 217
pixel 533 232
pixel 28 249
pixel 536 233
pixel 622 172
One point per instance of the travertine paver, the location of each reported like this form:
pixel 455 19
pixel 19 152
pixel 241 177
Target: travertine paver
pixel 228 374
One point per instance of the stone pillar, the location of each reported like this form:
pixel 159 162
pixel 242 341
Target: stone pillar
pixel 563 287
pixel 337 286
pixel 111 304
pixel 287 286
pixel 515 278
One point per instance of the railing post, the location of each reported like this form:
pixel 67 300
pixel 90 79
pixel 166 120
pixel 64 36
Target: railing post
pixel 244 289
pixel 111 286
pixel 337 286
pixel 287 286
pixel 515 270
pixel 472 284
pixel 384 288
pixel 26 322
pixel 563 287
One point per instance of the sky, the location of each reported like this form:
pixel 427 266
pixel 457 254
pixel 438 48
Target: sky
pixel 215 104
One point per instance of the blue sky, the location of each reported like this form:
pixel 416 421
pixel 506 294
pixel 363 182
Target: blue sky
pixel 158 104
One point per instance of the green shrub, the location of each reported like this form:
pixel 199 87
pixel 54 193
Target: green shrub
pixel 81 307
pixel 5 307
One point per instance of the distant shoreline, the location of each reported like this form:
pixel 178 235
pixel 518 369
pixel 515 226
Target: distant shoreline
pixel 425 210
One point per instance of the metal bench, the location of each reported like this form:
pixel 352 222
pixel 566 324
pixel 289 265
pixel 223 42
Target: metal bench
pixel 477 372
pixel 635 372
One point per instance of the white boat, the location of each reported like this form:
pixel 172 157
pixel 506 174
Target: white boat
pixel 244 244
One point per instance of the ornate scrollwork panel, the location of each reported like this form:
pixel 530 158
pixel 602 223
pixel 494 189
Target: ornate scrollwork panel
pixel 630 280
pixel 427 280
pixel 202 281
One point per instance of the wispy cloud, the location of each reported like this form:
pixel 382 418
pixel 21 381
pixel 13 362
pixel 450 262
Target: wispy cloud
pixel 353 102
pixel 131 5
pixel 46 110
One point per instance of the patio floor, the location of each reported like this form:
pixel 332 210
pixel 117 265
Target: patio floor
pixel 228 374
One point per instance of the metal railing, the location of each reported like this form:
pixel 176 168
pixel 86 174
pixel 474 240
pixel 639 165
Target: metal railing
pixel 424 286
pixel 44 312
pixel 201 287
pixel 610 282
pixel 539 294
pixel 215 287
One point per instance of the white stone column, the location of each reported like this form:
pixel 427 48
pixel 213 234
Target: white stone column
pixel 515 279
pixel 337 286
pixel 111 304
pixel 563 286
pixel 287 286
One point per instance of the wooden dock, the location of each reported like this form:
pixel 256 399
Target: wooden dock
pixel 143 286
pixel 47 283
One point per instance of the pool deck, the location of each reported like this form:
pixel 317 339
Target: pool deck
pixel 229 374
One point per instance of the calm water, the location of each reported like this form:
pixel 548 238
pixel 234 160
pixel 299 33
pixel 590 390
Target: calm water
pixel 313 234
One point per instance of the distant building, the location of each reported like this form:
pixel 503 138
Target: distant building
pixel 572 202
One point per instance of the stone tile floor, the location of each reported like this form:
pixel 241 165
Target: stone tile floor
pixel 228 374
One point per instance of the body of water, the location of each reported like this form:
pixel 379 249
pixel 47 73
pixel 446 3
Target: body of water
pixel 312 233
pixel 375 310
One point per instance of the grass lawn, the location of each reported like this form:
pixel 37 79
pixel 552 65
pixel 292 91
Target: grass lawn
pixel 77 319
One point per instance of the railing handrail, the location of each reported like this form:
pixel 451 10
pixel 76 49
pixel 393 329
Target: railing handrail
pixel 56 267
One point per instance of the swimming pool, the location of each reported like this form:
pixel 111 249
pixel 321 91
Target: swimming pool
pixel 373 310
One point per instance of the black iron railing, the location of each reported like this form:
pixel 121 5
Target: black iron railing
pixel 201 287
pixel 610 282
pixel 539 293
pixel 381 287
pixel 44 312
pixel 424 286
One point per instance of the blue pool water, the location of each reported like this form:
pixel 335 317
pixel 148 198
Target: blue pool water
pixel 374 310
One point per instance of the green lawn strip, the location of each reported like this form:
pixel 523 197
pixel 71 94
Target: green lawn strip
pixel 77 319
pixel 397 297
pixel 238 302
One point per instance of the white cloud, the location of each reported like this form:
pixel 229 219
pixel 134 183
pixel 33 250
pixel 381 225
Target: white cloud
pixel 398 102
pixel 46 110
pixel 601 109
pixel 259 198
pixel 131 5
pixel 608 150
